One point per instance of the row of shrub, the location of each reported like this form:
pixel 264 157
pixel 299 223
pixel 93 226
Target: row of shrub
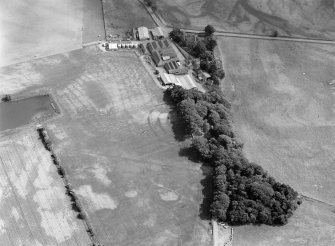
pixel 243 191
pixel 6 98
pixel 75 204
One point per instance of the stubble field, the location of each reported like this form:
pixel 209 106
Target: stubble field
pixel 312 18
pixel 34 207
pixel 116 144
pixel 283 99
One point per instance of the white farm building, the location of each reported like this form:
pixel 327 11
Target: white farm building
pixel 143 33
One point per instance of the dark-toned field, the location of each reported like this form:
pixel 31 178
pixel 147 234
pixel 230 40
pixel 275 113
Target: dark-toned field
pixel 283 99
pixel 115 141
pixel 122 15
pixel 302 18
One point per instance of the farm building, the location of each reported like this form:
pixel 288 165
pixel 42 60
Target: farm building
pixel 185 81
pixel 112 46
pixel 158 45
pixel 172 67
pixel 159 59
pixel 143 33
pixel 157 32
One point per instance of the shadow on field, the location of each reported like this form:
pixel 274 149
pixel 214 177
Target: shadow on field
pixel 178 126
pixel 206 182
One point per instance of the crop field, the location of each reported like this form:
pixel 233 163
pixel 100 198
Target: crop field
pixel 122 15
pixel 283 99
pixel 36 28
pixel 116 143
pixel 34 207
pixel 302 18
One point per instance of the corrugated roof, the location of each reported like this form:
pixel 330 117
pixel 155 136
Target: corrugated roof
pixel 143 32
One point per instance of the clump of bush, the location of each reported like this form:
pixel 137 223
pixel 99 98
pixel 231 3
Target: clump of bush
pixel 243 191
pixel 6 98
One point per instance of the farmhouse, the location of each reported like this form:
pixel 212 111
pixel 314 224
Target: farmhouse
pixel 143 33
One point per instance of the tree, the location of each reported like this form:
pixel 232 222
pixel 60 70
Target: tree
pixel 199 49
pixel 209 30
pixel 177 35
pixel 243 191
pixel 211 44
pixel 219 206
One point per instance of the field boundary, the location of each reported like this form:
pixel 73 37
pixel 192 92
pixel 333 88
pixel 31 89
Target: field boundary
pixel 103 17
pixel 165 24
pixel 76 204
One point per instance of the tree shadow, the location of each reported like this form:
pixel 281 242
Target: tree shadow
pixel 178 126
pixel 206 182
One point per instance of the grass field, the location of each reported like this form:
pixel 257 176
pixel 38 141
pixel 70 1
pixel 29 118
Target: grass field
pixel 312 18
pixel 116 144
pixel 122 15
pixel 283 99
pixel 34 208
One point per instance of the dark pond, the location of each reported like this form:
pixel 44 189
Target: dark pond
pixel 18 113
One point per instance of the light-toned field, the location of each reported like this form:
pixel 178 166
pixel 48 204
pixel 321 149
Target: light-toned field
pixel 122 15
pixel 283 99
pixel 116 144
pixel 38 28
pixel 34 209
pixel 302 18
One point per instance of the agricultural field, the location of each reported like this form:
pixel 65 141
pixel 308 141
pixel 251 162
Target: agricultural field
pixel 36 28
pixel 283 96
pixel 122 15
pixel 116 143
pixel 311 18
pixel 34 207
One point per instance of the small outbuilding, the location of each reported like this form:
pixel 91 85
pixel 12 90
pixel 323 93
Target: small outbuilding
pixel 112 46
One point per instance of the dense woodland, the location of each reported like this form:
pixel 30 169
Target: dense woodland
pixel 202 48
pixel 243 191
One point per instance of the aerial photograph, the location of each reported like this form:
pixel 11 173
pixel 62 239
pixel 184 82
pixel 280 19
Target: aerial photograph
pixel 167 123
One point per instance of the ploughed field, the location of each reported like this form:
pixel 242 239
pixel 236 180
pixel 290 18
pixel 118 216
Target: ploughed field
pixel 115 142
pixel 283 96
pixel 301 18
pixel 34 209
